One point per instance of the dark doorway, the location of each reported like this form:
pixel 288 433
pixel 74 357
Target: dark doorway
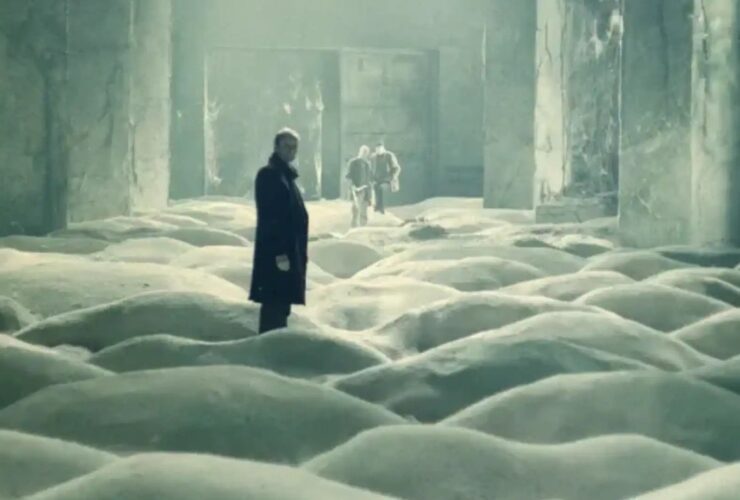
pixel 336 100
pixel 252 93
pixel 390 95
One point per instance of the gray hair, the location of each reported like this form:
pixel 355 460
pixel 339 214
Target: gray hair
pixel 284 133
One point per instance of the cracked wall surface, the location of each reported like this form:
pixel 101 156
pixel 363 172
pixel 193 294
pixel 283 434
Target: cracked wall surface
pixel 84 110
pixel 550 138
pixel 715 182
pixel 98 96
pixel 150 105
pixel 577 113
pixel 118 106
pixel 32 59
pixel 510 104
pixel 655 165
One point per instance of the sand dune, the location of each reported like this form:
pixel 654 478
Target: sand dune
pixel 185 314
pixel 675 409
pixel 29 464
pixel 446 352
pixel 230 411
pixel 197 477
pixel 637 265
pixel 290 352
pixel 439 382
pixel 719 484
pixel 658 306
pixel 717 335
pixel 408 462
pixel 26 368
pixel 445 321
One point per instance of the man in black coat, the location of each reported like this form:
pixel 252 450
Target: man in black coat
pixel 281 244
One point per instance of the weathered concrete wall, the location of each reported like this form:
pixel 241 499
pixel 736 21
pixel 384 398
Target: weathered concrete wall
pixel 577 113
pixel 655 170
pixel 510 104
pixel 550 138
pixel 98 96
pixel 188 172
pixel 150 103
pixel 593 45
pixel 31 72
pixel 715 184
pixel 84 110
pixel 454 29
pixel 117 103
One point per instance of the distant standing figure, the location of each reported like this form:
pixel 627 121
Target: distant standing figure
pixel 360 186
pixel 281 244
pixel 386 172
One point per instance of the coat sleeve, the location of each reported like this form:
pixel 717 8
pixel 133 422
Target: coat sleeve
pixel 395 166
pixel 272 213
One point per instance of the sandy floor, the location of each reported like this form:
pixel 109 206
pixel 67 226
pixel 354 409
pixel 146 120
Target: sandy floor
pixel 446 353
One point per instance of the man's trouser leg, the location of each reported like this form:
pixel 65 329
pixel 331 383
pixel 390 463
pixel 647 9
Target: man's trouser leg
pixel 273 316
pixel 379 205
pixel 355 210
pixel 362 210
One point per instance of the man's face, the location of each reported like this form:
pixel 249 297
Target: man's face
pixel 379 149
pixel 287 149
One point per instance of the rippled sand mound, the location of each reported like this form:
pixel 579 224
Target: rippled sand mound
pixel 50 284
pixel 609 333
pixel 144 250
pixel 439 382
pixel 291 352
pixel 472 274
pixel 671 408
pixel 230 411
pixel 550 261
pixel 184 314
pixel 26 368
pixel 409 461
pixel 196 477
pixel 343 258
pixel 658 306
pixel 361 304
pixel 448 320
pixel 717 335
pixel 719 484
pixel 29 464
pixel 637 265
pixel 446 352
pixel 14 316
pixel 569 287
pixel 709 286
pixel 38 244
pixel 724 374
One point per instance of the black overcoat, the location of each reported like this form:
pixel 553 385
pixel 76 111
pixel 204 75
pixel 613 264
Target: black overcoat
pixel 282 229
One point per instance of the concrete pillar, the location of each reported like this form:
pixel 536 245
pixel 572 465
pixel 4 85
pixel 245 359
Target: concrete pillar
pixel 150 103
pixel 188 173
pixel 577 112
pixel 32 156
pixel 715 180
pixel 550 138
pixel 98 96
pixel 655 164
pixel 510 104
pixel 117 92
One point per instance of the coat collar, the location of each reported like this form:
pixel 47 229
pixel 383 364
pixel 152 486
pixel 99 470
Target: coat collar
pixel 283 167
